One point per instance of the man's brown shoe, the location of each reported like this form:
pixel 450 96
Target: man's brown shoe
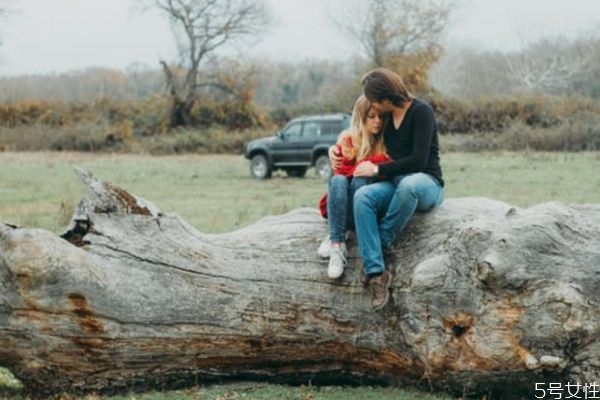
pixel 379 287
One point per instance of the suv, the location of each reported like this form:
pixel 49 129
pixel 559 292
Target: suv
pixel 301 144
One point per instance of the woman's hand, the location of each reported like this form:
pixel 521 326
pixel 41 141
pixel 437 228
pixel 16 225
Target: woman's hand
pixel 335 158
pixel 366 169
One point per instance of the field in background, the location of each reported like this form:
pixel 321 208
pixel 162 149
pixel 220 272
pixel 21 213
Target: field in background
pixel 215 193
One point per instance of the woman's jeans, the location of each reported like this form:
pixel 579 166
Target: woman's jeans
pixel 339 205
pixel 382 210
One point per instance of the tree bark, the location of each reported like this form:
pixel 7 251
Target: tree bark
pixel 486 298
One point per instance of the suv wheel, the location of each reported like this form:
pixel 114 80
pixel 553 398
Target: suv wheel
pixel 296 172
pixel 323 167
pixel 259 167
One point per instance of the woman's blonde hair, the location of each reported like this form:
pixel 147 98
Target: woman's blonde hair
pixel 364 143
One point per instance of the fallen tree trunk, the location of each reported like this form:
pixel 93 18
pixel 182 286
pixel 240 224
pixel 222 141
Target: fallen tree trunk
pixel 483 295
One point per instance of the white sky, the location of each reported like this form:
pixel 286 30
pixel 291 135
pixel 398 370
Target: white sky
pixel 48 36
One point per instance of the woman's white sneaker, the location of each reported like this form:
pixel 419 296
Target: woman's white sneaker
pixel 337 261
pixel 324 247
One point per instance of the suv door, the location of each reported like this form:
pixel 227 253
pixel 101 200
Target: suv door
pixel 295 143
pixel 311 132
pixel 283 145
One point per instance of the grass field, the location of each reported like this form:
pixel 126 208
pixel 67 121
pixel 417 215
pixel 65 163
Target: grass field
pixel 259 391
pixel 217 194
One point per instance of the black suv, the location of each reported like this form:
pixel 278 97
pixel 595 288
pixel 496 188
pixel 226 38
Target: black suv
pixel 302 143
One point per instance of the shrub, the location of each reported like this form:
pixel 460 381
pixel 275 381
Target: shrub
pixel 536 123
pixel 27 138
pixel 498 114
pixel 232 113
pixel 216 139
pixel 88 138
pixel 578 134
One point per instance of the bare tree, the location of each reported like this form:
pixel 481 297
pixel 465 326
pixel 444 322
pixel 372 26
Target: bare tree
pixel 472 73
pixel 550 65
pixel 201 28
pixel 385 28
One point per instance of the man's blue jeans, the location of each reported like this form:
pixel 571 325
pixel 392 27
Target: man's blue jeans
pixel 382 210
pixel 339 205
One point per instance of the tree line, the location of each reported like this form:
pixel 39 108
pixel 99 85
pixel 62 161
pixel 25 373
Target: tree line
pixel 400 34
pixel 556 66
pixel 548 67
pixel 549 82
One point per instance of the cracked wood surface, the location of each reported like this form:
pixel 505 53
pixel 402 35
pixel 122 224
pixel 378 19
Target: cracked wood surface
pixel 484 294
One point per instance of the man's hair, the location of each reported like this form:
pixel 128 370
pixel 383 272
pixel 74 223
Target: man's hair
pixel 382 84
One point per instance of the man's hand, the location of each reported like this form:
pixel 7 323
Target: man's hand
pixel 334 157
pixel 366 169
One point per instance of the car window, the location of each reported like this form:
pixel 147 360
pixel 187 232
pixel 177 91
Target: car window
pixel 311 129
pixel 332 127
pixel 292 130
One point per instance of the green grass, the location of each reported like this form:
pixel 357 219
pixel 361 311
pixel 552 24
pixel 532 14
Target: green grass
pixel 258 391
pixel 213 193
pixel 524 179
pixel 263 391
pixel 217 194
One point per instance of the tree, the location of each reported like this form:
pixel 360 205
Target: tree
pixel 202 27
pixel 587 81
pixel 308 86
pixel 483 294
pixel 551 65
pixel 391 28
pixel 472 73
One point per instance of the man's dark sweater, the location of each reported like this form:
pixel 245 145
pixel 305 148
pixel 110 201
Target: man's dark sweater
pixel 414 145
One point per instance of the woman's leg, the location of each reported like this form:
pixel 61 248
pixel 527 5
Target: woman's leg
pixel 337 208
pixel 337 214
pixel 413 192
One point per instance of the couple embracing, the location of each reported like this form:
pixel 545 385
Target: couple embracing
pixel 386 167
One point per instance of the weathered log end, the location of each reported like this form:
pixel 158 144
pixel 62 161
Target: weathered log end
pixel 486 299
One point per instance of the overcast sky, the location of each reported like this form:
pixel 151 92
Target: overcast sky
pixel 50 36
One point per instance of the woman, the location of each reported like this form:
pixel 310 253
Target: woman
pixel 412 181
pixel 362 142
